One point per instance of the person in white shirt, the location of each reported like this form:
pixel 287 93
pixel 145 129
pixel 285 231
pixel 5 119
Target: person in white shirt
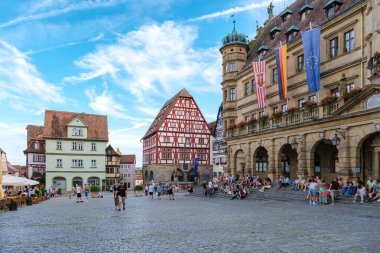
pixel 151 190
pixel 362 192
pixel 79 194
pixel 313 192
pixel 210 188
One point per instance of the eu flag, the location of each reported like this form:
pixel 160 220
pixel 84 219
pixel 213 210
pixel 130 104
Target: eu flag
pixel 196 162
pixel 311 41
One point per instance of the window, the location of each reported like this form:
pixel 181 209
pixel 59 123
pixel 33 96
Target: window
pixel 187 140
pixel 187 155
pixel 274 76
pixel 253 86
pixel 163 154
pixel 59 163
pixel 77 163
pixel 166 139
pixel 247 89
pixel 350 87
pixel 169 154
pixel 35 158
pixel 261 114
pixel 232 94
pixel 225 95
pixel 93 146
pixel 333 48
pixel 187 128
pixel 275 109
pixel 246 118
pixel 93 163
pixel 232 67
pixel 201 141
pixel 301 102
pixel 284 107
pixel 59 145
pixel 349 41
pixel 313 98
pixel 335 92
pixel 330 11
pixel 300 62
pixel 254 116
pixel 289 37
pixel 77 132
pixel 77 146
pixel 36 145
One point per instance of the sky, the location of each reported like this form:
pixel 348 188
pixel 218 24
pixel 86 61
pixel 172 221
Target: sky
pixel 120 58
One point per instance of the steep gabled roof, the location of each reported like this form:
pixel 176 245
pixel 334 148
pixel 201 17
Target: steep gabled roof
pixel 56 124
pixel 34 132
pixel 212 126
pixel 128 159
pixel 164 112
pixel 110 151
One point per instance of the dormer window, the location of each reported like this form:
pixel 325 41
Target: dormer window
pixel 77 132
pixel 285 15
pixel 292 32
pixel 36 145
pixel 275 30
pixel 262 51
pixel 332 6
pixel 305 11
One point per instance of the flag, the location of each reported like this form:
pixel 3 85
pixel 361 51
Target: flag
pixel 281 64
pixel 196 162
pixel 311 41
pixel 259 73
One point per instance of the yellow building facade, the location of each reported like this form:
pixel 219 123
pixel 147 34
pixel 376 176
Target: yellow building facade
pixel 335 132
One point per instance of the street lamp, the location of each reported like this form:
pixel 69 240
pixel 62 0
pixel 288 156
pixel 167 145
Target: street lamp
pixel 335 140
pixel 294 144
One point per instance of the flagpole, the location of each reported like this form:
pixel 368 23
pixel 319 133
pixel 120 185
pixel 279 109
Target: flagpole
pixel 310 26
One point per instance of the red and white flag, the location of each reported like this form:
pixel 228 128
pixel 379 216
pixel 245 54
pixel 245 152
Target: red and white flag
pixel 261 90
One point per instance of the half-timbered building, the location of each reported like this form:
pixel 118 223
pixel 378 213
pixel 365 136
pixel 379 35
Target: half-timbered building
pixel 35 152
pixel 177 136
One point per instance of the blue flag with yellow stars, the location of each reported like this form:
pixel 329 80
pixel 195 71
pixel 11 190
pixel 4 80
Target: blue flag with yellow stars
pixel 311 41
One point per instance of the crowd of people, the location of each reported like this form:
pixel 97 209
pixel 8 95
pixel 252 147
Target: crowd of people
pixel 318 190
pixel 160 189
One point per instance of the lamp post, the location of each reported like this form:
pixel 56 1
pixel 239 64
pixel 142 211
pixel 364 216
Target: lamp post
pixel 294 144
pixel 335 140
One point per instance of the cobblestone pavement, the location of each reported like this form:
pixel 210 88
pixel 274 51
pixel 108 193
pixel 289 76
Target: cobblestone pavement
pixel 189 225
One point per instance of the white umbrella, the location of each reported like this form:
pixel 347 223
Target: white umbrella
pixel 9 180
pixel 31 182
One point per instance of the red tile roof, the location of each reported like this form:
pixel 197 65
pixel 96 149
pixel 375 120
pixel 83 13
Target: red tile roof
pixel 56 124
pixel 165 110
pixel 211 126
pixel 317 17
pixel 128 159
pixel 34 132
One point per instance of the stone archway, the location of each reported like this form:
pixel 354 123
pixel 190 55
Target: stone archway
pixel 151 175
pixel 59 182
pixel 260 159
pixel 240 163
pixel 287 162
pixel 78 181
pixel 368 150
pixel 146 175
pixel 324 160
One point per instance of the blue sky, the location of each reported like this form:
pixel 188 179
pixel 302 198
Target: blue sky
pixel 123 58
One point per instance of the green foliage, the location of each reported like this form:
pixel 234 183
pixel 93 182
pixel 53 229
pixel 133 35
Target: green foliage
pixel 59 192
pixel 95 188
pixel 139 187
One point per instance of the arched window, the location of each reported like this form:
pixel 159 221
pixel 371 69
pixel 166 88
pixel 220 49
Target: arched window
pixel 77 181
pixel 151 176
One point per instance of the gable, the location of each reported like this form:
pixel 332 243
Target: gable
pixel 76 122
pixel 368 99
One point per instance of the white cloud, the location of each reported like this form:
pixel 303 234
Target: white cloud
pixel 155 60
pixel 234 10
pixel 128 141
pixel 20 82
pixel 105 104
pixel 13 142
pixel 63 8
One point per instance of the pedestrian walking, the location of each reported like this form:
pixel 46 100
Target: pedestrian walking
pixel 159 191
pixel 166 188
pixel 86 190
pixel 122 195
pixel 151 190
pixel 210 188
pixel 146 190
pixel 170 191
pixel 79 194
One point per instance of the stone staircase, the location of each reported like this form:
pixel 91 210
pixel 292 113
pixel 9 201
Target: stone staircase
pixel 286 195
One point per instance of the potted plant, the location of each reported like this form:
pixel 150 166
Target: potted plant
pixel 241 124
pixel 353 93
pixel 29 201
pixel 95 191
pixel 277 115
pixel 139 190
pixel 310 105
pixel 292 110
pixel 12 205
pixel 327 101
pixel 263 119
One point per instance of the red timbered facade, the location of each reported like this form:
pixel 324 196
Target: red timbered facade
pixel 176 137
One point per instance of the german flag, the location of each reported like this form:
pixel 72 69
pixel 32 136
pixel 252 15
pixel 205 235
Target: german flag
pixel 282 71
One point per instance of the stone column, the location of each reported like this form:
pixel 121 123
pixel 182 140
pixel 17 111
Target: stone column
pixel 302 158
pixel 248 160
pixel 230 161
pixel 344 157
pixel 271 160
